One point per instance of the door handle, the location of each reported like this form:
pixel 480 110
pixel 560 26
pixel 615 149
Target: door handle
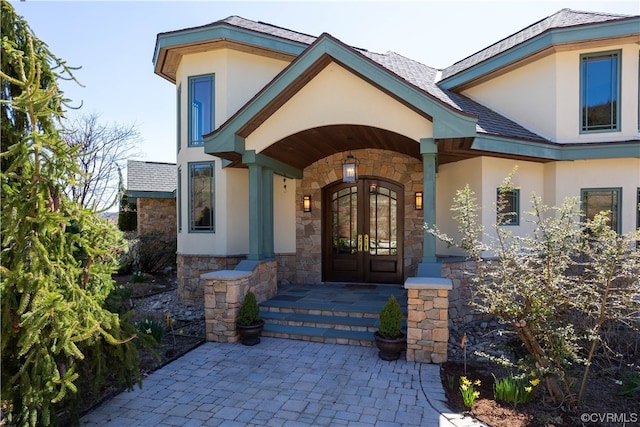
pixel 359 242
pixel 366 242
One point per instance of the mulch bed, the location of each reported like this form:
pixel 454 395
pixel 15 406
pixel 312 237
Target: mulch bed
pixel 601 397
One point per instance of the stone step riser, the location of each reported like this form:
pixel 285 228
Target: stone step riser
pixel 301 337
pixel 323 325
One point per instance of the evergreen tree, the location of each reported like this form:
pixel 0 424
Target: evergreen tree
pixel 57 258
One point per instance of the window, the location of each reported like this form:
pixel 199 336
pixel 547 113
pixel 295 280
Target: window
pixel 600 91
pixel 509 212
pixel 598 200
pixel 179 199
pixel 200 108
pixel 201 196
pixel 179 118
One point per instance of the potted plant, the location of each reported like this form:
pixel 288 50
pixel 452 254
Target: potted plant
pixel 249 324
pixel 389 337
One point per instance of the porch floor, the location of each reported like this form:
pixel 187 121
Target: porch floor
pixel 336 313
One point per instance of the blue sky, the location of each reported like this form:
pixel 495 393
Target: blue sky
pixel 114 41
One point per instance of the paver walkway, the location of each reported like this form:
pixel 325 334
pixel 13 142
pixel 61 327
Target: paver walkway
pixel 283 383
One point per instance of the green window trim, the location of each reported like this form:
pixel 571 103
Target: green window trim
pixel 600 91
pixel 201 181
pixel 179 200
pixel 510 215
pixel 201 108
pixel 179 117
pixel 596 200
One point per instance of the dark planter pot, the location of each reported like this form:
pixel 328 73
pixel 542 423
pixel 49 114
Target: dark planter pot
pixel 250 335
pixel 390 348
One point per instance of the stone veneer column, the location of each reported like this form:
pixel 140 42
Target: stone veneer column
pixel 427 319
pixel 224 291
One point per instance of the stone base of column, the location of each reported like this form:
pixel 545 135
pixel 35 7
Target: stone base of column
pixel 427 319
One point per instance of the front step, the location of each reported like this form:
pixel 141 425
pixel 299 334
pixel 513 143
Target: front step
pixel 326 322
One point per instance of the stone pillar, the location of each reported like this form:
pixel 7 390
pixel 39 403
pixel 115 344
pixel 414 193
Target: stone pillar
pixel 427 319
pixel 224 291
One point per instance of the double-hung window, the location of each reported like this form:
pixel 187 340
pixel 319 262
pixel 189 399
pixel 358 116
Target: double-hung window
pixel 201 108
pixel 508 207
pixel 609 200
pixel 600 91
pixel 201 197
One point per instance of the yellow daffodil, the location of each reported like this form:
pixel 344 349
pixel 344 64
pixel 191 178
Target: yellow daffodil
pixel 464 387
pixel 528 389
pixel 476 394
pixel 535 382
pixel 477 382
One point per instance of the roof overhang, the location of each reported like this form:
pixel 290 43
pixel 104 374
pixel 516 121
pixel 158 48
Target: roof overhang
pixel 228 141
pixel 171 46
pixel 554 40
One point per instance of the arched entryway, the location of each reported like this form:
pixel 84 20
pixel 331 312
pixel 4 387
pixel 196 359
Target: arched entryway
pixel 363 230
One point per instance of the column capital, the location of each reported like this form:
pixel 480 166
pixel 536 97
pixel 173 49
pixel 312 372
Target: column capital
pixel 428 146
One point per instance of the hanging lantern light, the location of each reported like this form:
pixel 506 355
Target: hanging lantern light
pixel 350 169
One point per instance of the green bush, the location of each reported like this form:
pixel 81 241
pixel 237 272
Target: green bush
pixel 390 319
pixel 249 311
pixel 128 215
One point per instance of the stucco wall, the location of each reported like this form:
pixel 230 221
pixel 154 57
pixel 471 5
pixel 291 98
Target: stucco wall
pixel 385 164
pixel 544 95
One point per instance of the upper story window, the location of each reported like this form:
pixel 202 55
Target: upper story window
pixel 600 91
pixel 201 108
pixel 201 196
pixel 508 207
pixel 609 200
pixel 179 116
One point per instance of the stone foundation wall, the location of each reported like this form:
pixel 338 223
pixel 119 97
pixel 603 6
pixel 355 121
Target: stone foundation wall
pixel 157 215
pixel 427 319
pixel 224 291
pixel 390 165
pixel 460 312
pixel 191 267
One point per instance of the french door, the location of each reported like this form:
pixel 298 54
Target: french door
pixel 363 229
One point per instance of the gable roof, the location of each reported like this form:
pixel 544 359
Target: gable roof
pixel 154 178
pixel 564 26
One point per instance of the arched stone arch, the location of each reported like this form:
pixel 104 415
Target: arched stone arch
pixel 398 167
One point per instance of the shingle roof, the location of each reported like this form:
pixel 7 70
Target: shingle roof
pixel 425 78
pixel 151 176
pixel 562 19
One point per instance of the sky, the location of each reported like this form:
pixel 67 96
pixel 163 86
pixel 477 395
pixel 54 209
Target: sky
pixel 113 42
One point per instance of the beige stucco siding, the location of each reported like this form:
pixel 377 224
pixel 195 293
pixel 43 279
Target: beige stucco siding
pixel 544 96
pixel 238 77
pixel 553 182
pixel 572 177
pixel 337 96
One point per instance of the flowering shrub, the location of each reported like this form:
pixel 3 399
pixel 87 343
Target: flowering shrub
pixel 468 391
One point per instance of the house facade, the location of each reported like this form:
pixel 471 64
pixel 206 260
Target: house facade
pixel 272 122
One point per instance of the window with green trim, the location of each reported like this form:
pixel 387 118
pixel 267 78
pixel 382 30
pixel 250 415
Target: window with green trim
pixel 600 91
pixel 508 207
pixel 608 200
pixel 201 197
pixel 179 200
pixel 201 108
pixel 179 117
